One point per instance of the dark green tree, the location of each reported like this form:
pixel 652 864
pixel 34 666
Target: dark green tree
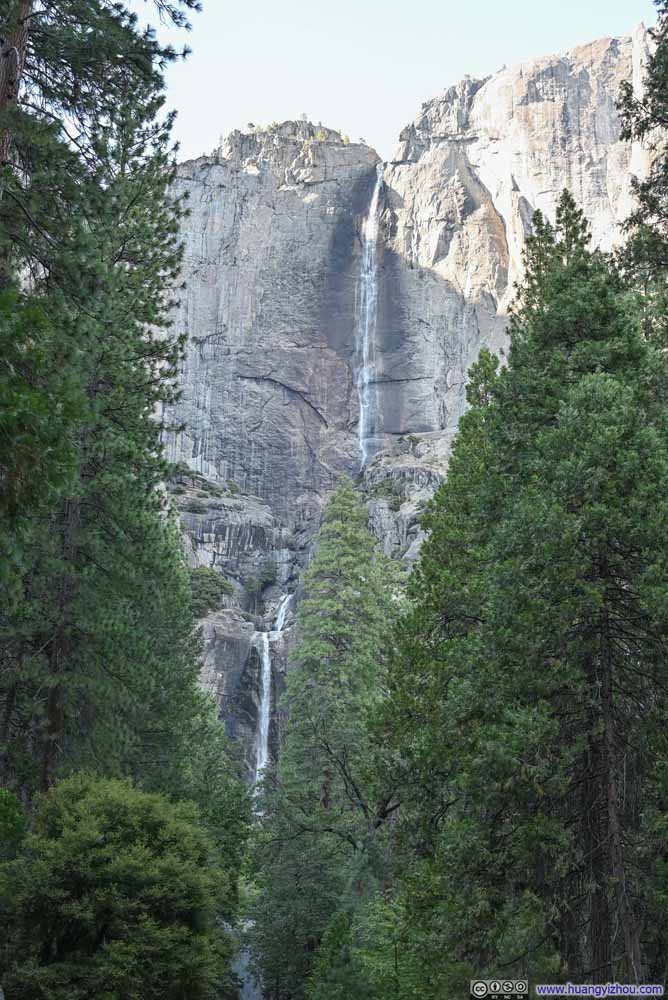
pixel 12 824
pixel 644 256
pixel 67 68
pixel 208 590
pixel 321 837
pixel 115 894
pixel 527 709
pixel 100 633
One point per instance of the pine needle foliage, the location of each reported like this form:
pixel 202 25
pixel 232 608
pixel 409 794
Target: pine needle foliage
pixel 320 837
pixel 528 709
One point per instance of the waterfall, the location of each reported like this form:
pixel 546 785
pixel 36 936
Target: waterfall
pixel 250 987
pixel 366 322
pixel 262 754
pixel 282 612
pixel 264 717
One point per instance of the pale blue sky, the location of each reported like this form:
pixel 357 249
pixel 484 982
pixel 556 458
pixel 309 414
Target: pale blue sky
pixel 363 66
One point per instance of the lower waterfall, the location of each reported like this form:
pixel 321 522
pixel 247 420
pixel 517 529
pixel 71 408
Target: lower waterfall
pixel 250 988
pixel 264 715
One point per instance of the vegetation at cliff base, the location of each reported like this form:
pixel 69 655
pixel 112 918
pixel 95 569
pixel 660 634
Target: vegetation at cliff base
pixel 99 656
pixel 319 849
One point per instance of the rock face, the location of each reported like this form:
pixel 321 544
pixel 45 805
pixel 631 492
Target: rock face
pixel 466 178
pixel 274 256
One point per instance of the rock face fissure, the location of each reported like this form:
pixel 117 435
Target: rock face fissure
pixel 366 326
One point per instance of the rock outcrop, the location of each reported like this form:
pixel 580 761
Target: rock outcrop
pixel 274 245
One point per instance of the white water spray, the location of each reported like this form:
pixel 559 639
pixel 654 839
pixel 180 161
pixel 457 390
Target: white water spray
pixel 282 612
pixel 366 322
pixel 262 754
pixel 264 716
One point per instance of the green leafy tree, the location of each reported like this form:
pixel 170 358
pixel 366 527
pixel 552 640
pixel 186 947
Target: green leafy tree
pixel 114 895
pixel 529 692
pixel 321 836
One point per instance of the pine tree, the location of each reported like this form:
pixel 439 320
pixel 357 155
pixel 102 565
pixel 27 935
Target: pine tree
pixel 322 831
pixel 528 707
pixel 67 69
pixel 99 660
pixel 644 256
pixel 99 629
pixel 94 606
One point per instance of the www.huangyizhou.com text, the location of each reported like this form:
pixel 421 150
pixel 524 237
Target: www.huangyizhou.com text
pixel 600 990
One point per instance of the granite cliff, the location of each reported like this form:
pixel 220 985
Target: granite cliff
pixel 300 250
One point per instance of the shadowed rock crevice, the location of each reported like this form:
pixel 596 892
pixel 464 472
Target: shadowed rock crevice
pixel 288 388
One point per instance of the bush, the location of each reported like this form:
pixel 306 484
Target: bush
pixel 207 588
pixel 114 895
pixel 195 507
pixel 266 576
pixel 390 491
pixel 179 469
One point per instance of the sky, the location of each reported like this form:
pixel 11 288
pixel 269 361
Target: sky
pixel 362 66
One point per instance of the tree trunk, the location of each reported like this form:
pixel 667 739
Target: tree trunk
pixel 12 60
pixel 10 701
pixel 625 917
pixel 600 958
pixel 614 929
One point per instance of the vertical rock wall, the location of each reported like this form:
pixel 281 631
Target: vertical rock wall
pixel 273 254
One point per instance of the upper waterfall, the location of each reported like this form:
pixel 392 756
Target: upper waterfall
pixel 367 313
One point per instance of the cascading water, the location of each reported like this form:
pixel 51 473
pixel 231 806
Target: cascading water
pixel 264 716
pixel 250 988
pixel 366 322
pixel 262 754
pixel 282 612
